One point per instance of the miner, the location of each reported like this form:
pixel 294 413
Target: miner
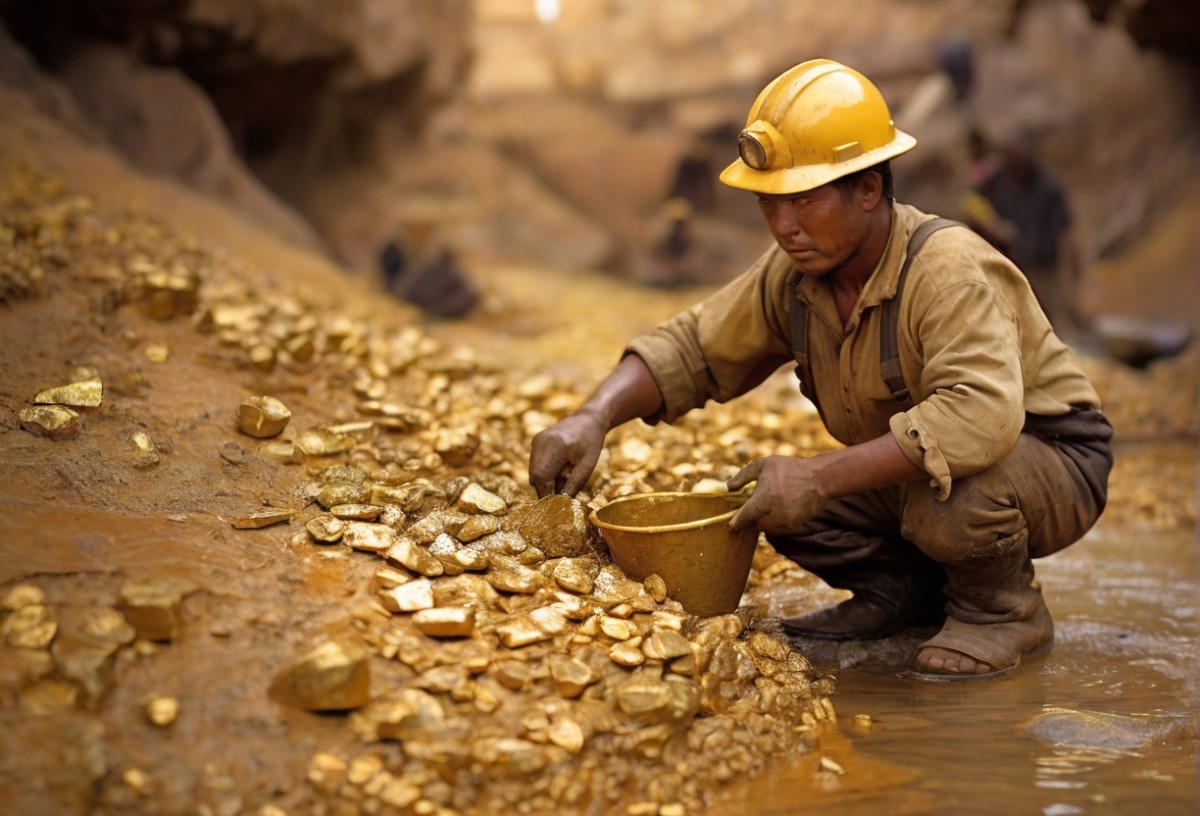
pixel 973 441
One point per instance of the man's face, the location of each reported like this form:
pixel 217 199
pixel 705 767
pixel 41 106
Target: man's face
pixel 819 229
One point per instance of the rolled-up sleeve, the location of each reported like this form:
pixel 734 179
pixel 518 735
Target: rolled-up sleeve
pixel 723 346
pixel 969 406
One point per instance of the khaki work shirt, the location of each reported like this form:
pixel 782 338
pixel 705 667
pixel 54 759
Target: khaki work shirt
pixel 976 351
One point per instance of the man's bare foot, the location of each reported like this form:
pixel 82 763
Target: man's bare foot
pixel 935 659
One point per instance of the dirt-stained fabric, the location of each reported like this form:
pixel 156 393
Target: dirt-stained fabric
pixel 1051 487
pixel 976 351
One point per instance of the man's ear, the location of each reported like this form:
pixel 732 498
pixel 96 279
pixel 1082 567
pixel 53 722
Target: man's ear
pixel 870 190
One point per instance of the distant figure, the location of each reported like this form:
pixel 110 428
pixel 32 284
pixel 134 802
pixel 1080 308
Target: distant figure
pixel 670 258
pixel 975 204
pixel 958 62
pixel 944 89
pixel 694 179
pixel 1021 210
pixel 940 111
pixel 984 161
pixel 427 275
pixel 1033 227
pixel 672 252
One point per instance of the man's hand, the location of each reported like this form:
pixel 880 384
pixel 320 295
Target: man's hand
pixel 562 457
pixel 793 490
pixel 787 494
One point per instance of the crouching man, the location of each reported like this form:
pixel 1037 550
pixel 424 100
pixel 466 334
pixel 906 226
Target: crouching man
pixel 973 440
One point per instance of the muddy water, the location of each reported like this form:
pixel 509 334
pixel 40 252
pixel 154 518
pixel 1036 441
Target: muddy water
pixel 1126 605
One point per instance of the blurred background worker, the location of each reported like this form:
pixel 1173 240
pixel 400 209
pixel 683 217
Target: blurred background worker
pixel 423 271
pixel 1028 218
pixel 672 257
pixel 1021 208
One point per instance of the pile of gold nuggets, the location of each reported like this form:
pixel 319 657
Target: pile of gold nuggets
pixel 539 675
pixel 536 676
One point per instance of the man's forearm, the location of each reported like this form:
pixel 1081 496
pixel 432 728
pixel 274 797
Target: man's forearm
pixel 628 392
pixel 867 466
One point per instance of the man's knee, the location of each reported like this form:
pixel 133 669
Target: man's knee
pixel 1031 489
pixel 980 510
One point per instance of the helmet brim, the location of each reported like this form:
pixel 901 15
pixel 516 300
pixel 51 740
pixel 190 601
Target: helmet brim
pixel 788 180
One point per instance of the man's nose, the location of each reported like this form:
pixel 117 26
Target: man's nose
pixel 783 220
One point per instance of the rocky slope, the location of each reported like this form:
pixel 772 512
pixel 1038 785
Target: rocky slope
pixel 501 127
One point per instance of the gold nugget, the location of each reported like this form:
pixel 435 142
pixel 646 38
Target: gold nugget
pixel 263 417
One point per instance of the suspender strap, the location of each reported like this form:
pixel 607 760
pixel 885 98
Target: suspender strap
pixel 889 351
pixel 799 328
pixel 889 347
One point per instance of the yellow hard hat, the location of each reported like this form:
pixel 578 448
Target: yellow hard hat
pixel 814 123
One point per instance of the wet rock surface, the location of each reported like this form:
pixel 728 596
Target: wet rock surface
pixel 1100 729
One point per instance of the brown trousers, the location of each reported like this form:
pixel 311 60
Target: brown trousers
pixel 1052 487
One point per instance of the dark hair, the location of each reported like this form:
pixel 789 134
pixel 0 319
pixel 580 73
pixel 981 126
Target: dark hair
pixel 884 169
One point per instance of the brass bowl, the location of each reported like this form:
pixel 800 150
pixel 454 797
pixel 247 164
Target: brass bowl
pixel 685 539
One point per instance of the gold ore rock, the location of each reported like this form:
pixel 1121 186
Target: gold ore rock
pixel 332 677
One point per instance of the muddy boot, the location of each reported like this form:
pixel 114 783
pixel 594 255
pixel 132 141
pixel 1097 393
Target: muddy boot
pixel 995 616
pixel 887 598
